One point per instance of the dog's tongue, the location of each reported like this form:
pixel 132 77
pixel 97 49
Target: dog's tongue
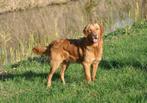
pixel 95 40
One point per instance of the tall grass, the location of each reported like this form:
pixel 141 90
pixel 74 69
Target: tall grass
pixel 4 38
pixel 137 10
pixel 15 54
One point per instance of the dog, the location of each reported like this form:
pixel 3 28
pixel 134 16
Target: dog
pixel 87 51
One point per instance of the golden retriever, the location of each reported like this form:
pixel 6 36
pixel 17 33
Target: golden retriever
pixel 87 51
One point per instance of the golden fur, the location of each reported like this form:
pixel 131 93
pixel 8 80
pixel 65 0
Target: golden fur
pixel 87 51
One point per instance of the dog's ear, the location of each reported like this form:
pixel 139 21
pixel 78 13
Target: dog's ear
pixel 85 30
pixel 101 28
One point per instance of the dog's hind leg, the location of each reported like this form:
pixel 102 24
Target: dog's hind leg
pixel 63 69
pixel 54 65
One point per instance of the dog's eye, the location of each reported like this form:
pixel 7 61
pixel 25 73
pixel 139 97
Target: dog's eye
pixel 90 31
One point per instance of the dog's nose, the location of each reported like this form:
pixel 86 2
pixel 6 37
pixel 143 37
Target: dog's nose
pixel 95 35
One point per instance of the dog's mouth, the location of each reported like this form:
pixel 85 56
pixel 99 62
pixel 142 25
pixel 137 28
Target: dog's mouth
pixel 95 40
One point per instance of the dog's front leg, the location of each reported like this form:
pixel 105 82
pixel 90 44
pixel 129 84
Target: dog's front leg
pixel 86 66
pixel 94 67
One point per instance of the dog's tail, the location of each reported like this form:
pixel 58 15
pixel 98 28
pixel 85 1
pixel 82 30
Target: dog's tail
pixel 41 50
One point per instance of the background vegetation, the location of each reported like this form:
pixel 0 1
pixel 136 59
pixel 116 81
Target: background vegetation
pixel 121 77
pixel 24 24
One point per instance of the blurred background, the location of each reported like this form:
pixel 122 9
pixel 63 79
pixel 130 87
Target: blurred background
pixel 27 23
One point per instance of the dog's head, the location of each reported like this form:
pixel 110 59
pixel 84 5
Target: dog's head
pixel 93 32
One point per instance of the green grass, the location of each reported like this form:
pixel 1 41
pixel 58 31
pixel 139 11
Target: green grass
pixel 121 78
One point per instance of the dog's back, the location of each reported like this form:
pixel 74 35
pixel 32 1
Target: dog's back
pixel 68 49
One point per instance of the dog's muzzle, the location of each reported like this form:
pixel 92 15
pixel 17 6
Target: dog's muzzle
pixel 95 38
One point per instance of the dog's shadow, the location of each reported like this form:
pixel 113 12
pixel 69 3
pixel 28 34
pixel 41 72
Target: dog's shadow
pixel 29 75
pixel 118 64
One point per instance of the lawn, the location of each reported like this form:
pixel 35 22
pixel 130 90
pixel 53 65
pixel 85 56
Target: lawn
pixel 121 77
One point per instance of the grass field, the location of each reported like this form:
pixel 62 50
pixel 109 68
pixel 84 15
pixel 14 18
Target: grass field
pixel 121 78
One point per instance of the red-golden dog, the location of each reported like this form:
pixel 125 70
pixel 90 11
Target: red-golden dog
pixel 87 51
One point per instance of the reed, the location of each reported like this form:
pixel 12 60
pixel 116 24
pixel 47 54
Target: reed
pixel 4 38
pixel 22 51
pixel 137 10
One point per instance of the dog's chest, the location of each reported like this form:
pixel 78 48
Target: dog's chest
pixel 92 54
